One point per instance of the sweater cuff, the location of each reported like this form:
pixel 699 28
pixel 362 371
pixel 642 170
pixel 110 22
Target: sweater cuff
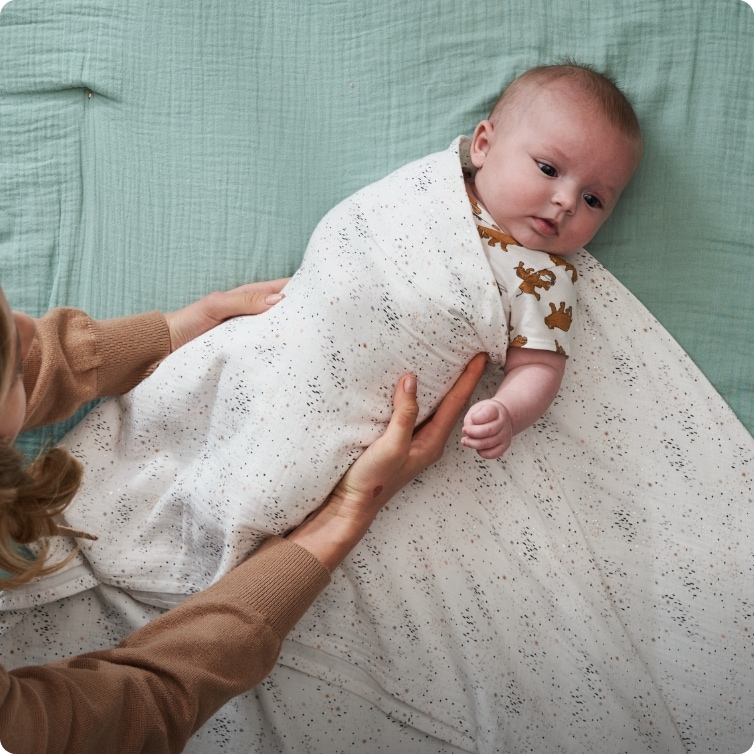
pixel 280 580
pixel 141 340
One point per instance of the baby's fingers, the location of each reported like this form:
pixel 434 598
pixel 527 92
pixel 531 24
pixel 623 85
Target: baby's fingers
pixel 491 446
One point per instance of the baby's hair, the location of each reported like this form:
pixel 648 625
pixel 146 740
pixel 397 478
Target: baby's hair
pixel 600 88
pixel 32 495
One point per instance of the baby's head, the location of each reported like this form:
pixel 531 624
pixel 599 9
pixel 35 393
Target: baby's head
pixel 553 157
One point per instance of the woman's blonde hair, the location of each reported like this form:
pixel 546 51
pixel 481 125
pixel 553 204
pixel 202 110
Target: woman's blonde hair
pixel 31 495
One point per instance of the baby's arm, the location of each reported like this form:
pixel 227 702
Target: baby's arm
pixel 532 380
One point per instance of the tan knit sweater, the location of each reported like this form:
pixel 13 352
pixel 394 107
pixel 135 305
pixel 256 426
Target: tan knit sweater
pixel 164 681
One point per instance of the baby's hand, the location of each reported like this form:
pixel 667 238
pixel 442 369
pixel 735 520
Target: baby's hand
pixel 488 428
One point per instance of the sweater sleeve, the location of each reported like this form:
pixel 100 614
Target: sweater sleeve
pixel 76 359
pixel 166 679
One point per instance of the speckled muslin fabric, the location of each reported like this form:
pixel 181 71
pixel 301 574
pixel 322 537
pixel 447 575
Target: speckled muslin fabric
pixel 244 432
pixel 590 591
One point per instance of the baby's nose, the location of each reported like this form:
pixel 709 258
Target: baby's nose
pixel 566 200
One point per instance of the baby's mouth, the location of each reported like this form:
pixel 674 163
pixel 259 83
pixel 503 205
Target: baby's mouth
pixel 545 226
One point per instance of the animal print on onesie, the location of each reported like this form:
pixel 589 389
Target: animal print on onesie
pixel 538 288
pixel 245 430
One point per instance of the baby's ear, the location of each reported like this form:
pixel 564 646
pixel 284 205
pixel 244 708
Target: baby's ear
pixel 481 142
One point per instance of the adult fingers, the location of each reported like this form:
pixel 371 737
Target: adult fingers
pixel 391 450
pixel 252 298
pixel 431 438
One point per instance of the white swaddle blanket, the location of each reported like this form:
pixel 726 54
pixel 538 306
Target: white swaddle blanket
pixel 590 591
pixel 245 431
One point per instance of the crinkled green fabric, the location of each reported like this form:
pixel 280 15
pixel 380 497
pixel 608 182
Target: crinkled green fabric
pixel 153 150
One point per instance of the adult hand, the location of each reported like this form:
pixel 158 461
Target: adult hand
pixel 389 463
pixel 204 314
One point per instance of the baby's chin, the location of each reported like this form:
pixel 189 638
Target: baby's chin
pixel 550 246
pixel 544 238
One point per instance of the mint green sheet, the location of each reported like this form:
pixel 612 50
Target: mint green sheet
pixel 152 151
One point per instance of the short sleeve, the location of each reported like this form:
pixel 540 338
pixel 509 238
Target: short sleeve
pixel 540 289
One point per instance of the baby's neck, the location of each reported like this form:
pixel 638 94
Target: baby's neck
pixel 471 193
pixel 477 206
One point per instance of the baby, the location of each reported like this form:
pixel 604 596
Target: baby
pixel 550 163
pixel 243 432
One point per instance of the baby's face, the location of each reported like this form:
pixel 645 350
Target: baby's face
pixel 551 172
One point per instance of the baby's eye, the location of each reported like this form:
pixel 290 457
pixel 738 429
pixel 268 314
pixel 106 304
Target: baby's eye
pixel 548 170
pixel 592 201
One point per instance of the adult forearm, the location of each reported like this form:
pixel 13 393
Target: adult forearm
pixel 164 681
pixel 75 359
pixel 529 387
